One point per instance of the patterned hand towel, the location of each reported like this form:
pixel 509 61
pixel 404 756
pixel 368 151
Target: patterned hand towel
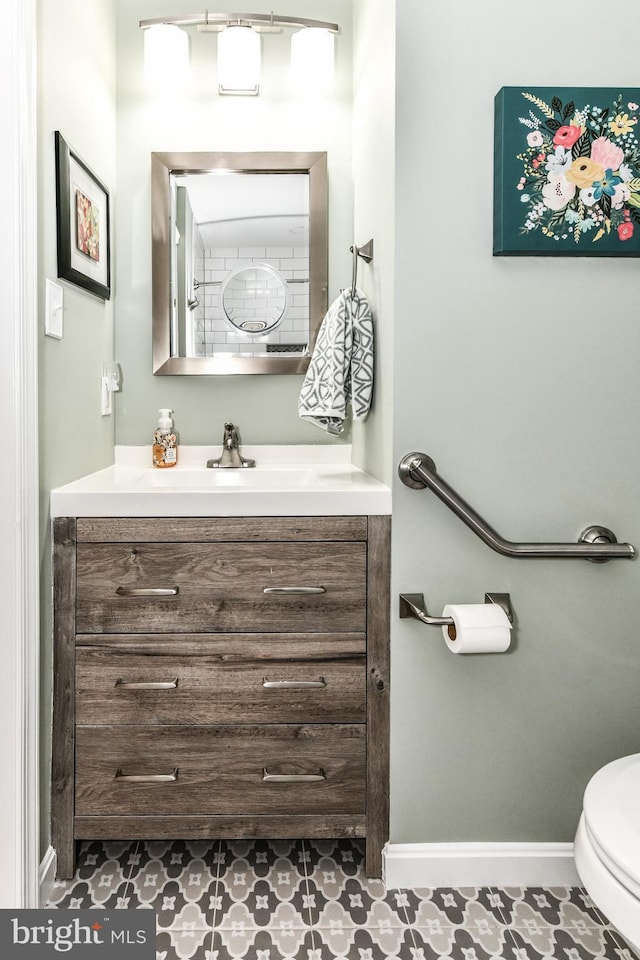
pixel 341 367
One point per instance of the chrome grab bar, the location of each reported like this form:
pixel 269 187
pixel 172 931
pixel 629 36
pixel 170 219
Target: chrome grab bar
pixel 596 543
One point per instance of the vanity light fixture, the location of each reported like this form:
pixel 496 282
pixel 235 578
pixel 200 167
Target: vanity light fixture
pixel 239 48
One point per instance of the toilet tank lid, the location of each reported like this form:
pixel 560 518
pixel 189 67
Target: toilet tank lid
pixel 612 812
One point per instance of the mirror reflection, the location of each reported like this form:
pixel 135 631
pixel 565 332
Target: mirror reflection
pixel 246 248
pixel 254 299
pixel 241 240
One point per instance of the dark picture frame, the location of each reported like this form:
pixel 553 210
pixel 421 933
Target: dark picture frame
pixel 83 223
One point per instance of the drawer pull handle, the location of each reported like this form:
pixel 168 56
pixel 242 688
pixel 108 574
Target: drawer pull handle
pixel 146 777
pixel 294 591
pixel 293 684
pixel 147 684
pixel 148 591
pixel 293 777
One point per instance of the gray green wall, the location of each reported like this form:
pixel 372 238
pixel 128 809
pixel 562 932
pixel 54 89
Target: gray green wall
pixel 373 134
pixel 76 83
pixel 520 378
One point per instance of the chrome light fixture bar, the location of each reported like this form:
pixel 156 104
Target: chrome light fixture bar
pixel 239 19
pixel 239 51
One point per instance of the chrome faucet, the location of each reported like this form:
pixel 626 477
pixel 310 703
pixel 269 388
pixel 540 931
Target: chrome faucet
pixel 230 456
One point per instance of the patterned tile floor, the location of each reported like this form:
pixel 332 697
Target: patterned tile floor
pixel 310 900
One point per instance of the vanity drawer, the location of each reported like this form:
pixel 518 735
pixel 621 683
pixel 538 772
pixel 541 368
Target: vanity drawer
pixel 256 680
pixel 190 587
pixel 150 771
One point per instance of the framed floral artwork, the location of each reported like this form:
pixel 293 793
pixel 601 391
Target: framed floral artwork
pixel 567 172
pixel 82 209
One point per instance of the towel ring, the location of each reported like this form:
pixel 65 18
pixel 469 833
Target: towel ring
pixel 366 252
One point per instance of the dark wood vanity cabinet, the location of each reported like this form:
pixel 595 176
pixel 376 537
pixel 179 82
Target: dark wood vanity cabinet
pixel 220 677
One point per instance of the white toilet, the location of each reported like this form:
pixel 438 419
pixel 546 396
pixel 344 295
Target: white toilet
pixel 607 844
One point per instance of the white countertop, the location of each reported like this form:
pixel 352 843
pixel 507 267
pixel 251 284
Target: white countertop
pixel 297 480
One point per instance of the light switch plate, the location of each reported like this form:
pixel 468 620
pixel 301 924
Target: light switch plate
pixel 53 309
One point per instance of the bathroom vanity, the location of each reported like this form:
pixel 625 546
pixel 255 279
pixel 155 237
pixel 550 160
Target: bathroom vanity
pixel 221 675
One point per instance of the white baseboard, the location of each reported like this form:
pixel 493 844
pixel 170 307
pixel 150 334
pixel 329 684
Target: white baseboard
pixel 416 865
pixel 413 865
pixel 47 875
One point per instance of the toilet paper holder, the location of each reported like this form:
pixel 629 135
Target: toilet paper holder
pixel 413 605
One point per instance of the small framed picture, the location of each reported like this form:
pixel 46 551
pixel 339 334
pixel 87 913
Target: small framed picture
pixel 83 230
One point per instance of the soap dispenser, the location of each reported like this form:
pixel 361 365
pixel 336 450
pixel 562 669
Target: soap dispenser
pixel 165 441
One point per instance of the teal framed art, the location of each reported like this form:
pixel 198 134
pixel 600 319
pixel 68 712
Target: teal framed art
pixel 567 172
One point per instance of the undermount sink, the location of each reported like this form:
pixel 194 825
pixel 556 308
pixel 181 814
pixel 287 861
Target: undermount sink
pixel 285 482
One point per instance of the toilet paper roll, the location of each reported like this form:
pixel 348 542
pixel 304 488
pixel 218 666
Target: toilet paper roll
pixel 477 628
